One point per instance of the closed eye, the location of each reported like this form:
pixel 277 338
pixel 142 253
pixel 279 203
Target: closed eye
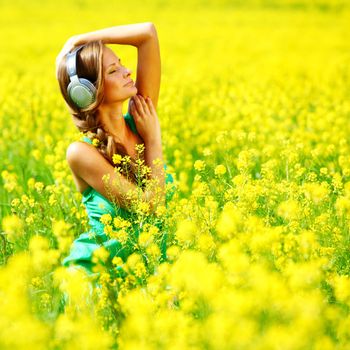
pixel 116 69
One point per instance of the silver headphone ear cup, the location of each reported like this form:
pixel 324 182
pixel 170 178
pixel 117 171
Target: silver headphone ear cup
pixel 81 92
pixel 89 85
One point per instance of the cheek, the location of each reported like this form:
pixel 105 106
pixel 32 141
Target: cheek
pixel 114 88
pixel 110 85
pixel 113 80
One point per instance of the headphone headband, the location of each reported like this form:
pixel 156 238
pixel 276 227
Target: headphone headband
pixel 71 61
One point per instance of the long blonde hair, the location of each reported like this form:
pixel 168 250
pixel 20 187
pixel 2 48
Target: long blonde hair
pixel 90 66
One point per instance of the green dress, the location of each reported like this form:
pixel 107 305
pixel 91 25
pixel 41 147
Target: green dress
pixel 96 205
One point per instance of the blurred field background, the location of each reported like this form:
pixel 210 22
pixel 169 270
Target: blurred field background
pixel 254 109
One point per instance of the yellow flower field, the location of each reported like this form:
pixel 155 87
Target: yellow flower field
pixel 254 108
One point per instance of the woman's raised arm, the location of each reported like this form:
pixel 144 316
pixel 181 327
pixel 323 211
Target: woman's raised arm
pixel 129 34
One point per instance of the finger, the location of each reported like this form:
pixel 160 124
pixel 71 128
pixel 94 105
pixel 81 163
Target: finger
pixel 150 105
pixel 138 104
pixel 134 111
pixel 144 104
pixel 138 107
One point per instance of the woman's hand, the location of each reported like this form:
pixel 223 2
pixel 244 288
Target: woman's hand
pixel 146 119
pixel 68 46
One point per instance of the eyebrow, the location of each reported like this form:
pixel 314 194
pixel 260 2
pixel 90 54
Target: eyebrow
pixel 113 63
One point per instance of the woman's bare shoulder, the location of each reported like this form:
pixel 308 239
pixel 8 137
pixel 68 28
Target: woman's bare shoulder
pixel 76 147
pixel 78 151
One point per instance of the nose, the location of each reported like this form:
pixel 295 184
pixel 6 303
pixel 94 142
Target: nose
pixel 128 71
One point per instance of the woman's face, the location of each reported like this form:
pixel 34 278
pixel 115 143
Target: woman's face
pixel 117 78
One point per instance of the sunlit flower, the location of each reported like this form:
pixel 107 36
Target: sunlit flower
pixel 95 142
pixel 100 254
pixel 117 158
pixel 106 219
pixel 220 169
pixel 199 165
pixel 12 225
pixel 289 209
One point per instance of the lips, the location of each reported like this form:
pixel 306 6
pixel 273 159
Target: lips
pixel 131 81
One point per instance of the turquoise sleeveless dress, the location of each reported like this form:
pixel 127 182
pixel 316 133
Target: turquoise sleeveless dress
pixel 96 205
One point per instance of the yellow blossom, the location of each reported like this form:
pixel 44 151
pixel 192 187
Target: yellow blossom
pixel 100 254
pixel 161 210
pixel 342 205
pixel 324 171
pixel 119 222
pixel 31 182
pixel 30 218
pixel 153 251
pixel 12 225
pixel 289 209
pixel 52 199
pixel 117 261
pixel 173 252
pixel 95 142
pixel 39 186
pixel 15 202
pixel 108 230
pixel 121 235
pixel 315 191
pixel 145 238
pixel 220 169
pixel 341 284
pixel 229 222
pixel 199 165
pixel 186 232
pixel 106 219
pixel 143 207
pixel 117 158
pixel 207 152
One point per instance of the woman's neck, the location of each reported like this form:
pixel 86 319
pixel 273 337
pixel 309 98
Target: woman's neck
pixel 113 121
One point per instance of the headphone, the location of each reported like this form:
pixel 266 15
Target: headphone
pixel 81 91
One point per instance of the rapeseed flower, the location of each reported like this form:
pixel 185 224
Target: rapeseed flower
pixel 95 142
pixel 229 221
pixel 220 169
pixel 117 158
pixel 106 219
pixel 100 254
pixel 12 225
pixel 289 210
pixel 199 165
pixel 186 232
pixel 316 192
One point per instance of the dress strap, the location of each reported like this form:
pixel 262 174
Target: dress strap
pixel 86 139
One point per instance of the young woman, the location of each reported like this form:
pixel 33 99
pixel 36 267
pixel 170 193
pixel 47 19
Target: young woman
pixel 108 132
